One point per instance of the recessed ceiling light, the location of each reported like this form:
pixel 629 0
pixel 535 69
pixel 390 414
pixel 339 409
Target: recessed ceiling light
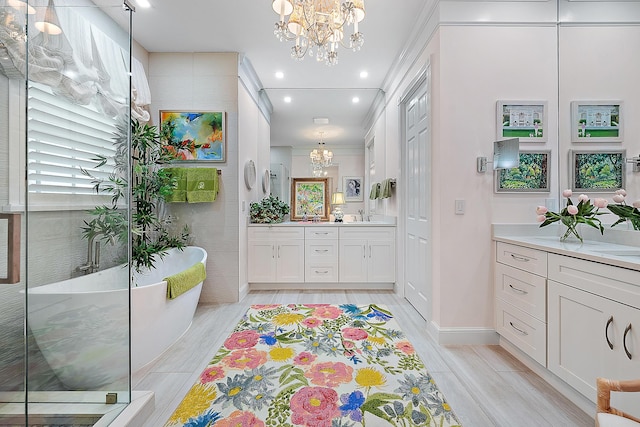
pixel 364 74
pixel 287 99
pixel 143 3
pixel 355 100
pixel 279 75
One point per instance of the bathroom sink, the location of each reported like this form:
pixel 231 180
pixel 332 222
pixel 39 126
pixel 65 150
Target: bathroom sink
pixel 620 252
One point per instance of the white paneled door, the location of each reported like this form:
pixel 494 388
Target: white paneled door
pixel 418 198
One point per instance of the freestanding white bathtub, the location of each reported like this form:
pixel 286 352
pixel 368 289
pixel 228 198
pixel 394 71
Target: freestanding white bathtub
pixel 81 324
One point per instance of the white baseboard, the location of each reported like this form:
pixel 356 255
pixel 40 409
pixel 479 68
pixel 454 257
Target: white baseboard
pixel 463 336
pixel 321 286
pixel 244 290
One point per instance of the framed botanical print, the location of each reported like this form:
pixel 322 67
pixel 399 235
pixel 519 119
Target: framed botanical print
pixel 595 171
pixel 525 120
pixel 194 136
pixel 309 197
pixel 531 176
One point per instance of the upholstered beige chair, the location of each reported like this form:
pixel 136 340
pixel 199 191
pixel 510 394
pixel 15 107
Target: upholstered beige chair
pixel 606 416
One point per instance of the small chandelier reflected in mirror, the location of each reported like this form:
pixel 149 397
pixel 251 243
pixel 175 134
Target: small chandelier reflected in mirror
pixel 321 157
pixel 320 25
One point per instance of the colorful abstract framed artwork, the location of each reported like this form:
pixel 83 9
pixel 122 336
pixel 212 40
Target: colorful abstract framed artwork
pixel 531 176
pixel 194 136
pixel 309 197
pixel 597 171
pixel 596 121
pixel 526 120
pixel 353 187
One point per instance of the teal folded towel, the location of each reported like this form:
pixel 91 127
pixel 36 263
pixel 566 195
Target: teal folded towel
pixel 181 282
pixel 202 185
pixel 385 191
pixel 375 191
pixel 179 193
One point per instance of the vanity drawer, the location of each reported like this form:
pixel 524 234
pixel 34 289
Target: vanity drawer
pixel 320 273
pixel 524 290
pixel 612 282
pixel 321 232
pixel 527 259
pixel 274 232
pixel 522 330
pixel 321 251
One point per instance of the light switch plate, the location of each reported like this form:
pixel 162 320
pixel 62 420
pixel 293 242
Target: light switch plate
pixel 459 209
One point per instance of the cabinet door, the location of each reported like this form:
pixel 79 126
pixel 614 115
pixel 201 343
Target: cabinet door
pixel 381 261
pixel 353 260
pixel 262 261
pixel 627 365
pixel 579 328
pixel 290 261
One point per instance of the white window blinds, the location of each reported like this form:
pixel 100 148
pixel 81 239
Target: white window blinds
pixel 64 138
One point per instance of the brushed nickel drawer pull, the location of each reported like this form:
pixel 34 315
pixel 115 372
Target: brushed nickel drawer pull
pixel 321 234
pixel 520 258
pixel 606 332
pixel 518 329
pixel 624 340
pixel 518 290
pixel 322 250
pixel 322 272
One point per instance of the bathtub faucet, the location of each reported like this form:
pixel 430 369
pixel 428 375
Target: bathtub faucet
pixel 93 257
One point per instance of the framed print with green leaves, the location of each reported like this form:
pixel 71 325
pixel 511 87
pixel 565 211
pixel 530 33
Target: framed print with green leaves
pixel 531 176
pixel 597 171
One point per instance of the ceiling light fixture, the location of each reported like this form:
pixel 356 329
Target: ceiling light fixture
pixel 50 23
pixel 321 157
pixel 364 74
pixel 279 75
pixel 319 24
pixel 143 3
pixel 287 99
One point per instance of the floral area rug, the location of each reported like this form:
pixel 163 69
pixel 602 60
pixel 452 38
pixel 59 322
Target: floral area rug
pixel 315 365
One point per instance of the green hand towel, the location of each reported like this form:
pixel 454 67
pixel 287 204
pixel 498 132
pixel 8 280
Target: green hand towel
pixel 385 192
pixel 202 185
pixel 181 282
pixel 180 189
pixel 375 191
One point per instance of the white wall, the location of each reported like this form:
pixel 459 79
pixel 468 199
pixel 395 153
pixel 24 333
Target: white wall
pixel 206 82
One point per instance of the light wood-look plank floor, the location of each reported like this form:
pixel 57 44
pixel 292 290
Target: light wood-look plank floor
pixel 484 385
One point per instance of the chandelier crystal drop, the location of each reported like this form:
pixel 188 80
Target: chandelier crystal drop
pixel 320 26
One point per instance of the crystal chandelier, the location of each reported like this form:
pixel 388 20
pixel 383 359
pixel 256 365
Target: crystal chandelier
pixel 320 25
pixel 321 157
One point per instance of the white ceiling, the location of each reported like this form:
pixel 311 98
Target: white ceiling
pixel 246 26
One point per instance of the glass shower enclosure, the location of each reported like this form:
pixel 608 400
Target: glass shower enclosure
pixel 64 288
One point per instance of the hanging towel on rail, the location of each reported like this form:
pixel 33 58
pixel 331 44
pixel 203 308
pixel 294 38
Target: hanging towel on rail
pixel 202 185
pixel 385 191
pixel 180 283
pixel 179 193
pixel 375 191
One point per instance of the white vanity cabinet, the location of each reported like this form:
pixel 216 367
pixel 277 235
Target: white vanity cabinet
pixel 520 290
pixel 367 254
pixel 594 324
pixel 276 254
pixel 321 254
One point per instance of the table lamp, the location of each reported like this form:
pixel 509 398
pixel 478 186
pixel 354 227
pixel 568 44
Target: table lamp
pixel 337 200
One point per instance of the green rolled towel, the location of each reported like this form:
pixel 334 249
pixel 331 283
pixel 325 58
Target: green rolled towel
pixel 181 282
pixel 179 193
pixel 202 185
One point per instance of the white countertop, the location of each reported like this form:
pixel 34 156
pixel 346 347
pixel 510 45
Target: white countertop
pixel 384 223
pixel 625 255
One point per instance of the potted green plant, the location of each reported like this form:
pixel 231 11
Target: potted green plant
pixel 270 210
pixel 151 232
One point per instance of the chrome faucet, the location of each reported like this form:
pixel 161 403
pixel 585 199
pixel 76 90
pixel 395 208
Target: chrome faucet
pixel 93 257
